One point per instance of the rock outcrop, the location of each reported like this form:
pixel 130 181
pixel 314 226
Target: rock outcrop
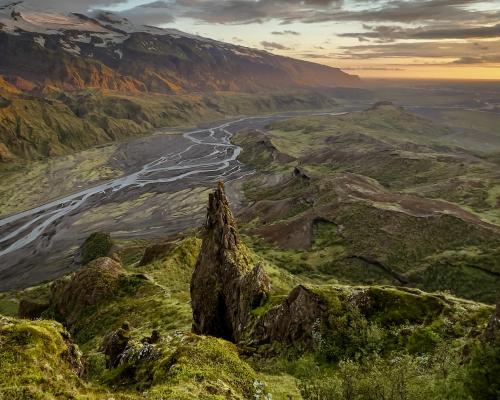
pixel 71 296
pixel 115 344
pixel 224 286
pixel 292 322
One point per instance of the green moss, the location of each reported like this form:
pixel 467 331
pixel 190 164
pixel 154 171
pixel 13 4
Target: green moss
pixel 397 306
pixel 9 301
pixel 35 359
pixel 422 340
pixel 97 245
pixel 465 273
pixel 483 371
pixel 186 367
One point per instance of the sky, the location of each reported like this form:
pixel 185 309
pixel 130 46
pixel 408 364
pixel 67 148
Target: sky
pixel 419 39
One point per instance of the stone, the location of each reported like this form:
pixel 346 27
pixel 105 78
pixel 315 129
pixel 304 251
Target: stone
pixel 492 332
pixel 99 280
pixel 29 309
pixel 292 322
pixel 225 287
pixel 115 344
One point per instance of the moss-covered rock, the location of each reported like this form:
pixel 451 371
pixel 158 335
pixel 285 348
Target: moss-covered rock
pixel 225 287
pixel 72 295
pixel 37 361
pixel 98 244
pixel 343 321
pixel 184 366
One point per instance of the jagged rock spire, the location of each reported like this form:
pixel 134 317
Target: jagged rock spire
pixel 224 286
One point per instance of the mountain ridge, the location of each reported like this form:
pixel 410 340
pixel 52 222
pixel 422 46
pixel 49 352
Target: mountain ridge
pixel 76 51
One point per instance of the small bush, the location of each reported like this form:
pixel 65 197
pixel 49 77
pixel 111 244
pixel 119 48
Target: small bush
pixel 97 245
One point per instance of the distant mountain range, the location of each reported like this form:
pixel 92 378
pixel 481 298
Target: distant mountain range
pixel 45 49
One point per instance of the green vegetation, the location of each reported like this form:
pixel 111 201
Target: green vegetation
pixel 62 123
pixel 37 359
pixel 98 244
pixel 378 196
pixel 370 335
pixel 483 370
pixel 347 227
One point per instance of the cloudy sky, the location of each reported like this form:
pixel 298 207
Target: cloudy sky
pixel 385 38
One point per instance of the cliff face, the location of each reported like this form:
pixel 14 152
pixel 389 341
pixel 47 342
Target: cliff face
pixel 224 286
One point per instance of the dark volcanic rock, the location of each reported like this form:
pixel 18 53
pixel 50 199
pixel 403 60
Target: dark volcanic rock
pixel 293 321
pixel 115 344
pixel 224 286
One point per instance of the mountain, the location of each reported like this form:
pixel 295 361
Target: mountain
pixel 44 50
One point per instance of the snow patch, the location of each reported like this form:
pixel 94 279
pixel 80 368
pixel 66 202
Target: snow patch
pixel 40 40
pixel 70 47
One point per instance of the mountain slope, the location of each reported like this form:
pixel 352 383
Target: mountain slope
pixel 75 51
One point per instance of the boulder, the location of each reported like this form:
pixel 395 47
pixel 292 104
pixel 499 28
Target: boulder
pixel 224 285
pixel 71 296
pixel 492 332
pixel 294 321
pixel 115 344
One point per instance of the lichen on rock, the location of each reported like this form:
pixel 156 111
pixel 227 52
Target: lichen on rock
pixel 225 286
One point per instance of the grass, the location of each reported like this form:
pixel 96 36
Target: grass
pixel 376 341
pixel 182 365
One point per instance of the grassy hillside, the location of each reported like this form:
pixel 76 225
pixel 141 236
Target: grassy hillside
pixel 378 196
pixel 57 123
pixel 372 335
pixel 356 222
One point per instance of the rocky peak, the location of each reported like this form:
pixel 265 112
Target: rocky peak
pixel 220 227
pixel 293 321
pixel 224 286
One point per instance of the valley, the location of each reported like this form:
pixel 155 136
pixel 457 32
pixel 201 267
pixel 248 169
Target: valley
pixel 204 200
pixel 143 189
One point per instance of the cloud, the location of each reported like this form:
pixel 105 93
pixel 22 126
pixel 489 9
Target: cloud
pixel 273 46
pixel 403 11
pixel 156 13
pixel 287 11
pixel 467 60
pixel 384 33
pixel 286 32
pixel 316 55
pixel 248 11
pixel 372 69
pixel 67 5
pixel 458 52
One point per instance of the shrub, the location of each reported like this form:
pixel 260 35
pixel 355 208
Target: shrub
pixel 97 245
